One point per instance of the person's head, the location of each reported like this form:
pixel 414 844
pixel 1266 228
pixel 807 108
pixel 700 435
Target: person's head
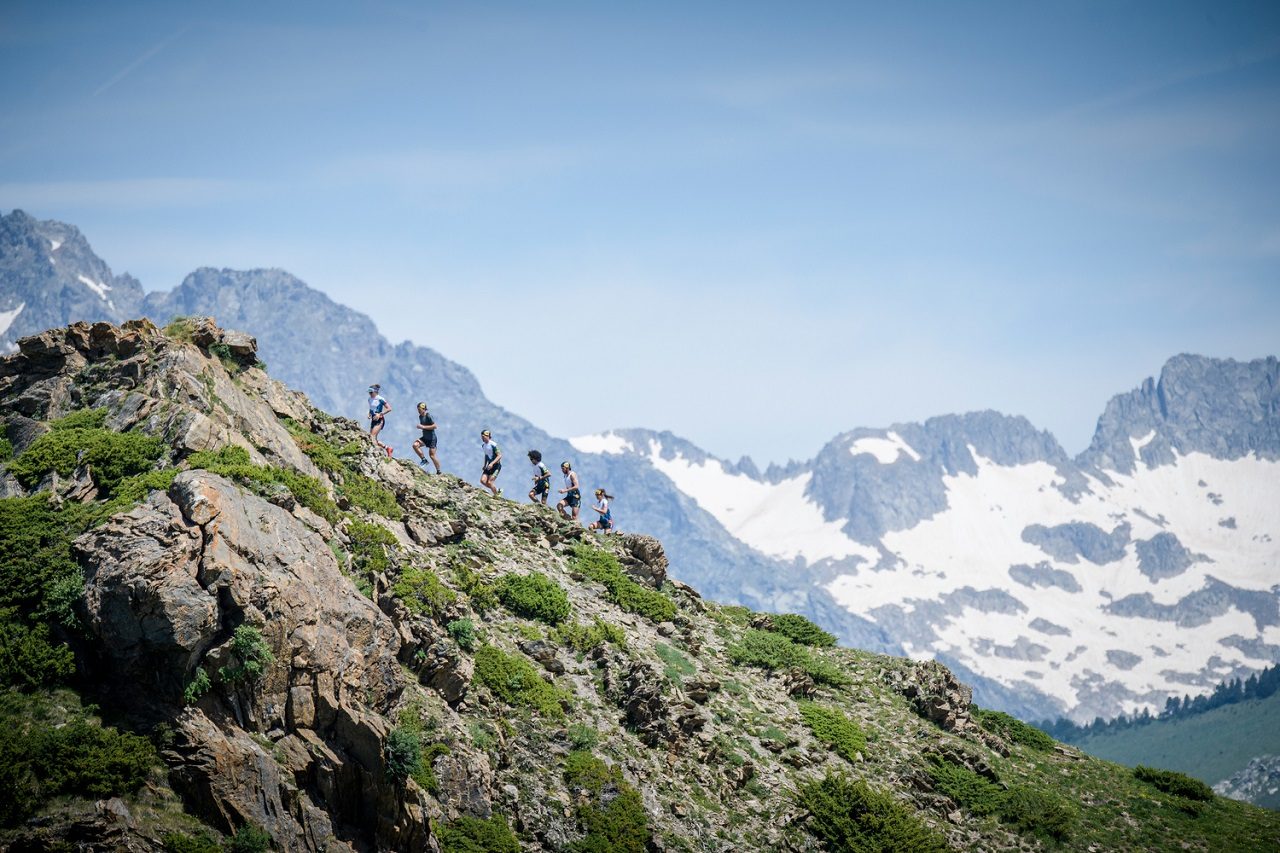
pixel 535 456
pixel 565 466
pixel 601 493
pixel 422 408
pixel 374 389
pixel 485 436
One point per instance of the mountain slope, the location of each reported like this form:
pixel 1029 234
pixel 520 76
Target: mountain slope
pixel 1144 568
pixel 336 650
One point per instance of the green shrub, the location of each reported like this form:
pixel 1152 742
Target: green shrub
pixel 603 568
pixel 422 592
pixel 1037 811
pixel 676 666
pixel 481 593
pixel 1014 729
pixel 6 449
pixel 1173 782
pixel 326 456
pixel 180 842
pixel 45 754
pixel 234 463
pixel 370 495
pixel 514 680
pixel 582 736
pixel 978 794
pixel 849 816
pixel 371 547
pixel 28 657
pixel 832 727
pixel 196 687
pixel 251 655
pixel 800 630
pixel 774 651
pixel 584 638
pixel 463 632
pixel 249 839
pixel 111 456
pixel 533 596
pixel 83 419
pixel 476 835
pixel 180 329
pixel 612 815
pixel 402 754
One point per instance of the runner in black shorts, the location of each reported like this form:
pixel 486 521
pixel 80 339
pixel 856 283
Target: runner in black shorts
pixel 541 478
pixel 492 464
pixel 427 439
pixel 572 499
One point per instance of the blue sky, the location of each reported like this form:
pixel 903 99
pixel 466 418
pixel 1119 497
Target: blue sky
pixel 756 225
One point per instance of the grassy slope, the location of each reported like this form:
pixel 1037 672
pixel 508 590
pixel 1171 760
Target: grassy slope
pixel 1210 746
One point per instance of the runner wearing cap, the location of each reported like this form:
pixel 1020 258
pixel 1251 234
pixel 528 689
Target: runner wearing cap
pixel 492 464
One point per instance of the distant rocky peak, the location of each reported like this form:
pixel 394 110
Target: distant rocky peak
pixel 1220 407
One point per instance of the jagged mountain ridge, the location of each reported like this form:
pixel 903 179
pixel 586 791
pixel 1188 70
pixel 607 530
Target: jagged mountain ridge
pixel 976 539
pixel 793 538
pixel 658 734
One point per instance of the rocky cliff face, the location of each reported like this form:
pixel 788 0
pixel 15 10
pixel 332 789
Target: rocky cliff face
pixel 344 653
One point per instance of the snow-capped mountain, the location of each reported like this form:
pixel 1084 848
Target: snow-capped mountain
pixel 1148 566
pixel 1145 567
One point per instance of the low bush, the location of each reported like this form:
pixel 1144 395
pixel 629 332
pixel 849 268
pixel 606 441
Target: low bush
pixel 477 835
pixel 370 495
pixel 1014 729
pixel 603 568
pixel 774 651
pixel 196 687
pixel 371 548
pixel 1173 782
pixel 28 657
pixel 584 638
pixel 611 814
pixel 481 593
pixel 6 449
pixel 849 816
pixel 832 727
pixel 402 754
pixel 798 629
pixel 79 439
pixel 180 842
pixel 514 680
pixel 582 736
pixel 463 632
pixel 250 654
pixel 327 456
pixel 234 463
pixel 44 755
pixel 1037 811
pixel 976 793
pixel 249 839
pixel 422 592
pixel 533 596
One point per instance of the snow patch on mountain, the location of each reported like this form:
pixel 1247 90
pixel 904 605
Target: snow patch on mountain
pixel 7 317
pixel 96 286
pixel 53 245
pixel 777 519
pixel 963 580
pixel 608 442
pixel 886 450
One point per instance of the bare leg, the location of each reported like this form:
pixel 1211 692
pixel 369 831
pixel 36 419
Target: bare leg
pixel 434 461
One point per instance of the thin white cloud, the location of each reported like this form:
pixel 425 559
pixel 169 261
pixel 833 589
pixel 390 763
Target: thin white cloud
pixel 762 88
pixel 137 63
pixel 436 169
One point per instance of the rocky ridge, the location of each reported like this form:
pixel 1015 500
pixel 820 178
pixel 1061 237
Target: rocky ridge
pixel 347 654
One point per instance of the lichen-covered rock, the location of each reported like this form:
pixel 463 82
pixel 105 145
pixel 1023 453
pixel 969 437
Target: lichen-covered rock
pixel 936 694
